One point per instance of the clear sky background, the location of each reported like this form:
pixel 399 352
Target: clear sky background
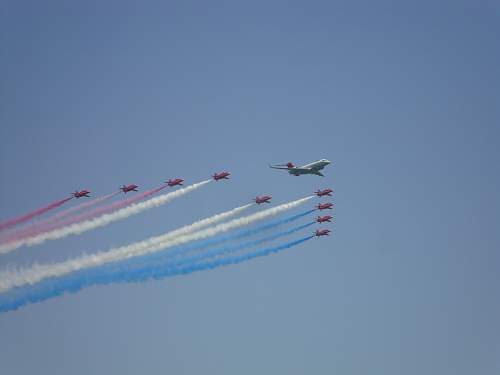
pixel 403 97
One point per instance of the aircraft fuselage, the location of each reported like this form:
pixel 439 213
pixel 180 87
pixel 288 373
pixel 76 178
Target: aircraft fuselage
pixel 311 168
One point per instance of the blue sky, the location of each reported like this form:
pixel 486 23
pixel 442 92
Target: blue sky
pixel 402 97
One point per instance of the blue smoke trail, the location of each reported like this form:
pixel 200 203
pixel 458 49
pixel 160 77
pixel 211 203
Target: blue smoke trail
pixel 75 282
pixel 166 261
pixel 236 259
pixel 200 245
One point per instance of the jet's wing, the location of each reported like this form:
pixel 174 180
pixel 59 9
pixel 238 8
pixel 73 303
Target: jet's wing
pixel 317 167
pixel 300 170
pixel 319 173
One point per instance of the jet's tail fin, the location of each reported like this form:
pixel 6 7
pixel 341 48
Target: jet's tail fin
pixel 288 165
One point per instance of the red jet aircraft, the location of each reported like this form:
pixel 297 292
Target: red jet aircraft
pixel 81 193
pixel 127 188
pixel 324 206
pixel 322 193
pixel 322 219
pixel 174 182
pixel 220 176
pixel 322 232
pixel 263 199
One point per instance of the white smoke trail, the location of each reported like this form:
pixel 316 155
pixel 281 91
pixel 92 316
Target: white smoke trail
pixel 84 226
pixel 14 278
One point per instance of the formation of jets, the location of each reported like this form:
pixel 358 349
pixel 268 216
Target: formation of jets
pixel 134 187
pixel 311 168
pixel 323 206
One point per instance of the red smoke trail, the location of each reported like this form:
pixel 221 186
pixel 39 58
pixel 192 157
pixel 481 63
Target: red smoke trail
pixel 110 208
pixel 80 207
pixel 30 215
pixel 85 216
pixel 40 226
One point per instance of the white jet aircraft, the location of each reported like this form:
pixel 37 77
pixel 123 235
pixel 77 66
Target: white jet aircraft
pixel 311 168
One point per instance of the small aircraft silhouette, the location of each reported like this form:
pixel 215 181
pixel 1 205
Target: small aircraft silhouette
pixel 322 219
pixel 324 206
pixel 325 192
pixel 127 188
pixel 322 232
pixel 263 199
pixel 81 193
pixel 174 182
pixel 220 176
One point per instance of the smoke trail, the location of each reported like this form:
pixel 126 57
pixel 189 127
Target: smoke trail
pixel 100 276
pixel 82 206
pixel 13 278
pixel 110 208
pixel 42 225
pixel 88 215
pixel 10 279
pixel 163 258
pixel 230 260
pixel 21 219
pixel 200 245
pixel 84 226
